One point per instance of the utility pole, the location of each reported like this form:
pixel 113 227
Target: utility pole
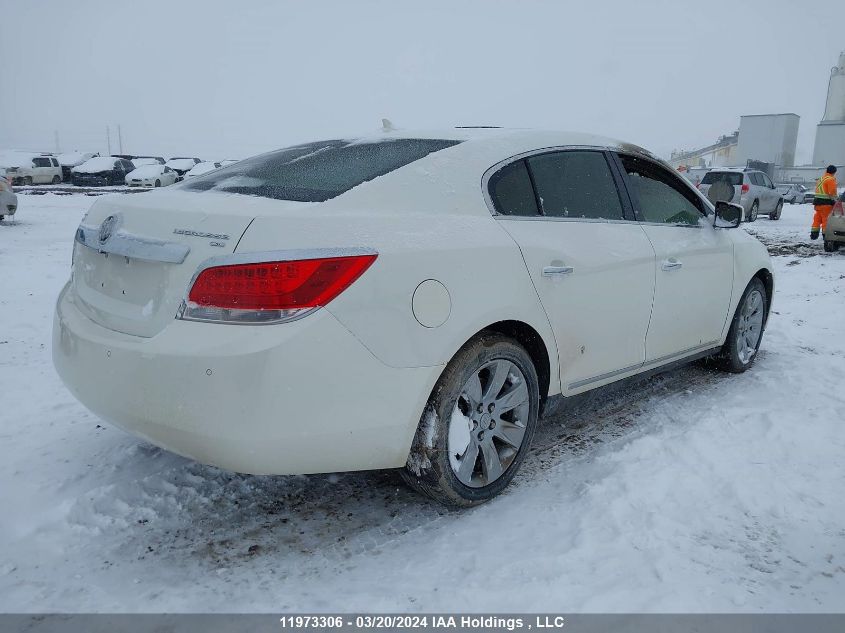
pixel 119 139
pixel 108 139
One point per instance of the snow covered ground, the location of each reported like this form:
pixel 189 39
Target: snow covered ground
pixel 691 491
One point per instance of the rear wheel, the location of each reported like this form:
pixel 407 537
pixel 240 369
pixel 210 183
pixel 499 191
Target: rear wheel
pixel 775 215
pixel 830 246
pixel 478 424
pixel 27 180
pixel 746 333
pixel 158 183
pixel 755 209
pixel 56 180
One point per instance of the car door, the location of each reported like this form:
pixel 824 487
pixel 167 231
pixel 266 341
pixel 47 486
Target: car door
pixel 773 196
pixel 694 262
pixel 40 169
pixel 591 263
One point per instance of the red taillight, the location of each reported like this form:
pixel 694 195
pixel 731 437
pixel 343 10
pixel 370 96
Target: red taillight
pixel 745 188
pixel 271 291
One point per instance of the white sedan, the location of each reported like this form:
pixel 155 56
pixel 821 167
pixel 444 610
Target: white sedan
pixel 155 175
pixel 403 301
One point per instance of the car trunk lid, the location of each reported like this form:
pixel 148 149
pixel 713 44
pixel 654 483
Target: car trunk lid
pixel 135 256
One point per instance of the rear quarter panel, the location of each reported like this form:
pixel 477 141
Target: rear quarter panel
pixel 478 263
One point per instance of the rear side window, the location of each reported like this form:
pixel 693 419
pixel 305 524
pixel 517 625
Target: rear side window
pixel 316 172
pixel 576 184
pixel 732 178
pixel 41 162
pixel 511 191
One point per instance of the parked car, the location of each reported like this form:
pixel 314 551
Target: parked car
pixel 411 302
pixel 69 160
pixel 202 168
pixel 182 165
pixel 101 171
pixel 809 196
pixel 8 199
pixel 751 189
pixel 139 161
pixel 834 233
pixel 34 170
pixel 792 193
pixel 155 175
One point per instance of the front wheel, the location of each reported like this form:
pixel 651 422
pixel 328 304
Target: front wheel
pixel 27 180
pixel 478 424
pixel 830 246
pixel 56 180
pixel 158 183
pixel 746 333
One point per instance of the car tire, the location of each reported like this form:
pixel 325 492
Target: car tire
pixel 27 180
pixel 739 351
pixel 830 246
pixel 775 215
pixel 462 466
pixel 158 183
pixel 56 180
pixel 755 209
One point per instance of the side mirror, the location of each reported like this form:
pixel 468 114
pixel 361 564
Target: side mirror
pixel 728 215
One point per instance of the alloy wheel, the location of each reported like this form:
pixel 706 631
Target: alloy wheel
pixel 750 326
pixel 488 423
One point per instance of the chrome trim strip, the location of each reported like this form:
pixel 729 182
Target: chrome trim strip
pixel 686 352
pixel 610 374
pixel 647 364
pixel 134 246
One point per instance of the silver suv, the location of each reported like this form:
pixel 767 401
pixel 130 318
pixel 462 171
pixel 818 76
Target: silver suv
pixel 750 188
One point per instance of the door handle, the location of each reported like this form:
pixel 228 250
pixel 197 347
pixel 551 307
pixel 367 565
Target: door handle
pixel 557 271
pixel 671 264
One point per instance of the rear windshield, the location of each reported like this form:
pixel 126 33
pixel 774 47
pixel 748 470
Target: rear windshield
pixel 733 178
pixel 316 172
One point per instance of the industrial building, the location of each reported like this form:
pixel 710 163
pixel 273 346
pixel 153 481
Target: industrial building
pixel 769 141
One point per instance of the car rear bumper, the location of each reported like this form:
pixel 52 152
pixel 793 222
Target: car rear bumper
pixel 295 398
pixel 835 229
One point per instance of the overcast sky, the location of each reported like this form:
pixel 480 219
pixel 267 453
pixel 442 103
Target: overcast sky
pixel 230 79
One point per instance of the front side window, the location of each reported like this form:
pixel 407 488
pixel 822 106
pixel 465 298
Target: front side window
pixel 576 184
pixel 511 191
pixel 316 172
pixel 662 198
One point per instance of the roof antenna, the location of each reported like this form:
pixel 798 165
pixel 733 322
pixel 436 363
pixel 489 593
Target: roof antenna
pixel 387 125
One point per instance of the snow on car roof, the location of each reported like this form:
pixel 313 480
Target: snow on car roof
pixel 73 158
pixel 96 164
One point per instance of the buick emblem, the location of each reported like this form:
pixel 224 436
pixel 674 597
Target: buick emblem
pixel 107 228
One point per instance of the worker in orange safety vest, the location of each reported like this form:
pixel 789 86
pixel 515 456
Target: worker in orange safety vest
pixel 823 201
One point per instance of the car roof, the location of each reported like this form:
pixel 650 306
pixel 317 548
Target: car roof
pixel 504 137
